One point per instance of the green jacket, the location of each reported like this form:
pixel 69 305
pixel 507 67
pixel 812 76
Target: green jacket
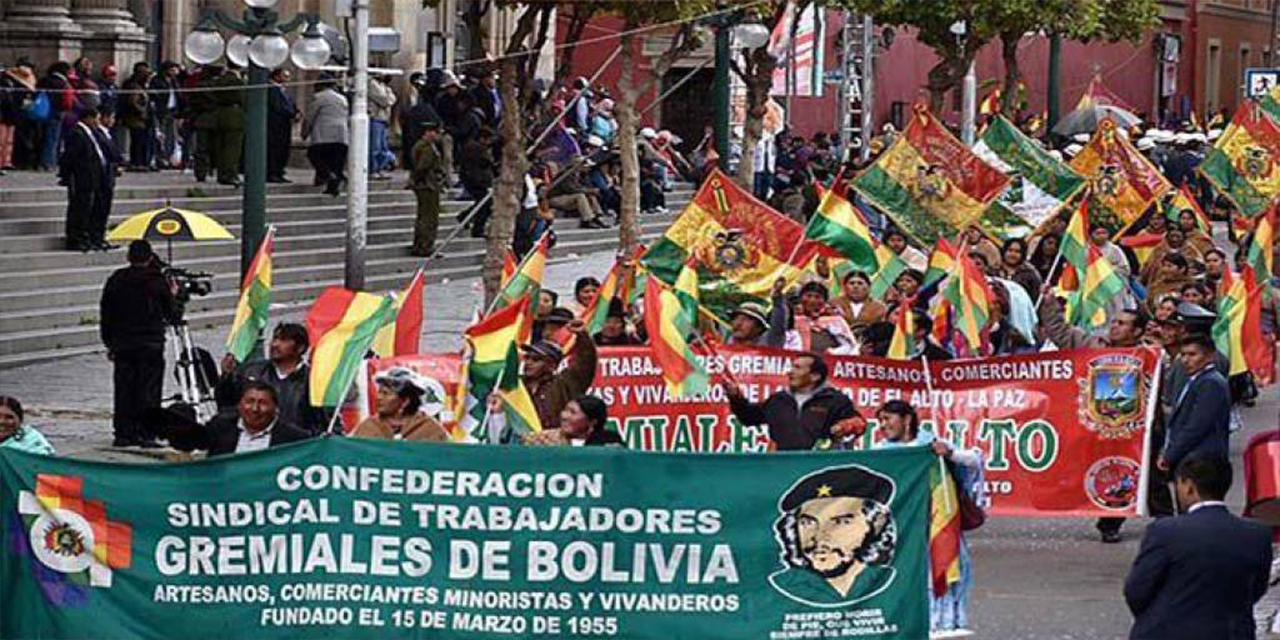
pixel 230 101
pixel 428 167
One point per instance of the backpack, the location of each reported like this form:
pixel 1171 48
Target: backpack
pixel 37 107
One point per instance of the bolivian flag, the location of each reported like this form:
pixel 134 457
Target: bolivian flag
pixel 969 297
pixel 929 182
pixel 1092 282
pixel 342 325
pixel 1261 253
pixel 1143 245
pixel 1122 181
pixel 509 266
pixel 891 266
pixel 1184 200
pixel 903 344
pixel 670 317
pixel 1244 165
pixel 1238 329
pixel 741 247
pixel 839 225
pixel 491 364
pixel 527 279
pixel 944 530
pixel 941 262
pixel 255 301
pixel 403 334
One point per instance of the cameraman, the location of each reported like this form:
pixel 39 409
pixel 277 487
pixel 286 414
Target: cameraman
pixel 137 303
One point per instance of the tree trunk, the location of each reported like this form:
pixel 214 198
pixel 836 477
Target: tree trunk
pixel 628 215
pixel 940 81
pixel 474 19
pixel 1009 95
pixel 759 81
pixel 513 163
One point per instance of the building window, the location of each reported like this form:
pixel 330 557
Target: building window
pixel 1213 77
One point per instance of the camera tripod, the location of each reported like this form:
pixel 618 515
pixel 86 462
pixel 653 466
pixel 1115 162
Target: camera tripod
pixel 192 368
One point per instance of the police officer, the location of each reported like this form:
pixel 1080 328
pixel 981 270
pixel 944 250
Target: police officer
pixel 228 133
pixel 427 179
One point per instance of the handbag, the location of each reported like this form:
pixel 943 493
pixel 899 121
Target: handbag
pixel 37 108
pixel 971 515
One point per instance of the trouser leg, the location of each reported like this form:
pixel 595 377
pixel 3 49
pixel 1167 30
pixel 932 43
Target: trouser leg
pixel 428 222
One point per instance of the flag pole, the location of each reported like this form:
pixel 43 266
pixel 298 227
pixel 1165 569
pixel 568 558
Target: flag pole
pixel 493 304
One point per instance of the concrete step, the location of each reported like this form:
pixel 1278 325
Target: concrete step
pixel 19 347
pixel 173 187
pixel 385 240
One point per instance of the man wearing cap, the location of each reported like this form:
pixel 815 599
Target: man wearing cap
pixel 614 332
pixel 805 414
pixel 428 180
pixel 137 303
pixel 1200 422
pixel 837 534
pixel 751 325
pixel 550 390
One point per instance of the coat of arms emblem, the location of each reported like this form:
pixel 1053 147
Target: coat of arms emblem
pixel 1111 396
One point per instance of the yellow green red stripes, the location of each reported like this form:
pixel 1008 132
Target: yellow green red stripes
pixel 402 335
pixel 944 530
pixel 670 316
pixel 1244 164
pixel 342 324
pixel 838 225
pixel 254 305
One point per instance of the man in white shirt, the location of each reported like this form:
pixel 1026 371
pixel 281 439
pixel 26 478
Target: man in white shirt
pixel 253 427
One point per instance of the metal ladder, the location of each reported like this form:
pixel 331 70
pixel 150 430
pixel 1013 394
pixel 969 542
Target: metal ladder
pixel 856 108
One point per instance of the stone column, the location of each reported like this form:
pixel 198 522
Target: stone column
pixel 40 30
pixel 113 35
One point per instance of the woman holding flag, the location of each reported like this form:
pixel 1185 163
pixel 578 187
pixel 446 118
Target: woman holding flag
pixel 950 570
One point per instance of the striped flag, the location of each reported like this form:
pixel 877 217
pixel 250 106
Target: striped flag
pixel 1094 282
pixel 1097 94
pixel 991 104
pixel 492 364
pixel 903 344
pixel 342 324
pixel 670 316
pixel 1184 200
pixel 969 298
pixel 944 530
pixel 1238 329
pixel 1261 251
pixel 1123 182
pixel 941 262
pixel 929 182
pixel 402 336
pixel 255 301
pixel 891 266
pixel 509 266
pixel 1143 245
pixel 839 225
pixel 527 278
pixel 1244 164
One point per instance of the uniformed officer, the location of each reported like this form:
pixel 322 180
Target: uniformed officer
pixel 427 180
pixel 228 134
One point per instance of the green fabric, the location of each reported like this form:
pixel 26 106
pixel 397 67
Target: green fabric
pixel 389 532
pixel 1217 169
pixel 853 246
pixel 885 192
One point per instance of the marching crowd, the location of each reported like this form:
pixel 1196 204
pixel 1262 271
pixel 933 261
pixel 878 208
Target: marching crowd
pixel 163 119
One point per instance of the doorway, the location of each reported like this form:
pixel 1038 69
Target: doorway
pixel 689 110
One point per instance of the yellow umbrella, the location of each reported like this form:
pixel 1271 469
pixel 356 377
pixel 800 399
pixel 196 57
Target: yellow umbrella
pixel 170 224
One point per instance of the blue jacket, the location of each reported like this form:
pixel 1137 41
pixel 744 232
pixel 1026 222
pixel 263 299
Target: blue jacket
pixel 1201 422
pixel 1197 576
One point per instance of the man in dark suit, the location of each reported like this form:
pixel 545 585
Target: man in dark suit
pixel 82 168
pixel 253 427
pixel 1198 575
pixel 281 112
pixel 1200 421
pixel 107 189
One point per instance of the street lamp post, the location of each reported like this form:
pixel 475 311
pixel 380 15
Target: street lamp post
pixel 263 33
pixel 748 36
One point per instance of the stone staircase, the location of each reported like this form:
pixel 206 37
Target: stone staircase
pixel 49 297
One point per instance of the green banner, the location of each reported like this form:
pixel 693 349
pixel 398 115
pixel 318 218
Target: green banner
pixel 345 539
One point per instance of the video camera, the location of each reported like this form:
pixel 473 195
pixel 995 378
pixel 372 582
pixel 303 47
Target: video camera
pixel 188 283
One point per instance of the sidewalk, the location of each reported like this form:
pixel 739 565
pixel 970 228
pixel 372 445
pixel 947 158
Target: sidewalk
pixel 69 400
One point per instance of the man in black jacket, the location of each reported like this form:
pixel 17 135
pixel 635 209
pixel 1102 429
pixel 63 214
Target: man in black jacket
pixel 1198 575
pixel 477 169
pixel 83 168
pixel 256 425
pixel 281 112
pixel 1201 417
pixel 803 416
pixel 136 305
pixel 285 371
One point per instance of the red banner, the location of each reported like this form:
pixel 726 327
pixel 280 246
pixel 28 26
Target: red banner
pixel 1063 433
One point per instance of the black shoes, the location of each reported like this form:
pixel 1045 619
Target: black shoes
pixel 1110 537
pixel 139 443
